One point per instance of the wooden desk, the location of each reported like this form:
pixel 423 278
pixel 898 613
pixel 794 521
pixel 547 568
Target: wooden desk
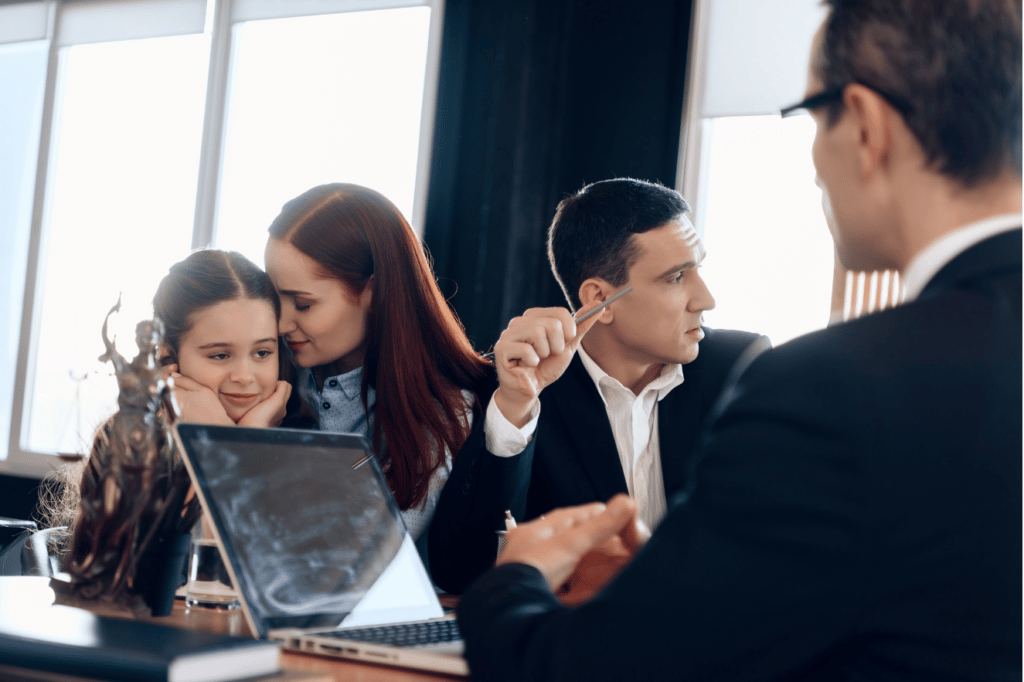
pixel 37 590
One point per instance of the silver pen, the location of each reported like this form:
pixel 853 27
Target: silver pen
pixel 594 311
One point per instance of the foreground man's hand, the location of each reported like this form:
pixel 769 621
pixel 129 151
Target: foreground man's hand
pixel 578 549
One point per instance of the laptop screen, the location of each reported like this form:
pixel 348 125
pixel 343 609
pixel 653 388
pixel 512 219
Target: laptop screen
pixel 305 517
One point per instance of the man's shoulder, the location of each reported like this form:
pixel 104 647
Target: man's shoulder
pixel 729 337
pixel 942 330
pixel 723 354
pixel 842 346
pixel 723 347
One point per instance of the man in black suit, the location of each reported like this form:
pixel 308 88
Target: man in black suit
pixel 605 410
pixel 855 511
pixel 625 398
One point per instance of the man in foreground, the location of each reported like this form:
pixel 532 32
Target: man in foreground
pixel 856 510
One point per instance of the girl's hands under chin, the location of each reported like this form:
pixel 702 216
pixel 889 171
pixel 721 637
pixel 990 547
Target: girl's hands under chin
pixel 168 371
pixel 197 403
pixel 271 411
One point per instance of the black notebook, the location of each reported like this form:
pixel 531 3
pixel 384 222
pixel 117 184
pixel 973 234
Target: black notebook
pixel 70 641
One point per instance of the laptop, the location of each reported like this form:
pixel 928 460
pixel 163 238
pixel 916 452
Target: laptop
pixel 316 546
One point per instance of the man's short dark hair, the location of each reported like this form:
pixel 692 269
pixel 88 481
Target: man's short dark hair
pixel 592 232
pixel 957 63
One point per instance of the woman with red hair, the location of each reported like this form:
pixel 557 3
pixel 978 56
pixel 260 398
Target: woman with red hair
pixel 378 349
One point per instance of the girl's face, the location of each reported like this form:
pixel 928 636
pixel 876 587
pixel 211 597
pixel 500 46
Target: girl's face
pixel 322 322
pixel 232 350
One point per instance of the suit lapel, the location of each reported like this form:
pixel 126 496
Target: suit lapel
pixel 585 418
pixel 679 426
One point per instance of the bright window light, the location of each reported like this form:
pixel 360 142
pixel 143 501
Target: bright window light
pixel 333 98
pixel 23 75
pixel 770 256
pixel 128 124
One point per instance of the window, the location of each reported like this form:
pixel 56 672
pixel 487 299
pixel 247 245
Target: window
pixel 748 173
pixel 23 74
pixel 770 256
pixel 128 125
pixel 305 100
pixel 160 125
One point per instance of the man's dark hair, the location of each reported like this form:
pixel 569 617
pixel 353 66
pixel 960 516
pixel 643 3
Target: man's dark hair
pixel 956 63
pixel 592 232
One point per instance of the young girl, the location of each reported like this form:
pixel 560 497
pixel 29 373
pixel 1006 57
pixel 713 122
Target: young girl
pixel 378 349
pixel 219 312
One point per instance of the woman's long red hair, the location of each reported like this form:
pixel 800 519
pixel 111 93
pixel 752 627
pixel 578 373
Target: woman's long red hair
pixel 418 358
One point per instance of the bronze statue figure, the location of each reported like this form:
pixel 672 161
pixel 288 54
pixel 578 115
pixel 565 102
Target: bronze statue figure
pixel 135 492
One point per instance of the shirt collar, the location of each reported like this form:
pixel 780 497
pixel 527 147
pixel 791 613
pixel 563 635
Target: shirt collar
pixel 670 377
pixel 350 383
pixel 926 264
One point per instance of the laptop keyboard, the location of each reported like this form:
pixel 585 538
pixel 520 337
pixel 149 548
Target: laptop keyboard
pixel 403 634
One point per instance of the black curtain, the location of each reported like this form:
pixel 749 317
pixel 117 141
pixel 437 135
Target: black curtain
pixel 536 99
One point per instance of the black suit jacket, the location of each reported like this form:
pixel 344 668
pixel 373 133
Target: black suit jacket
pixel 855 515
pixel 575 460
pixel 571 460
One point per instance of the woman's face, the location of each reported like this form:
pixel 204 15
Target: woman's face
pixel 232 350
pixel 322 322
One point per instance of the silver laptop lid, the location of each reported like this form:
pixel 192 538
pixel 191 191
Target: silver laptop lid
pixel 305 518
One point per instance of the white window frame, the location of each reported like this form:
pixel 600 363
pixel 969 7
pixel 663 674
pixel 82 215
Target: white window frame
pixel 42 19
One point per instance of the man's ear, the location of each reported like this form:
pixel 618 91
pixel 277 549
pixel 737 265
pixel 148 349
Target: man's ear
pixel 595 290
pixel 873 117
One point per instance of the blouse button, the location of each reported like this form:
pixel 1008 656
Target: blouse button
pixel 327 405
pixel 332 383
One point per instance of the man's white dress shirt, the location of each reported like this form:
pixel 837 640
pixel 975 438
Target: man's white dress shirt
pixel 634 422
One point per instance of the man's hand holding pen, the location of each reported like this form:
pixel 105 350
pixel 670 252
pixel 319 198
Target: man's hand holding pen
pixel 578 549
pixel 534 350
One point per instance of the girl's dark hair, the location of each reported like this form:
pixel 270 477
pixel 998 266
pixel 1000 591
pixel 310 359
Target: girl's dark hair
pixel 418 358
pixel 203 279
